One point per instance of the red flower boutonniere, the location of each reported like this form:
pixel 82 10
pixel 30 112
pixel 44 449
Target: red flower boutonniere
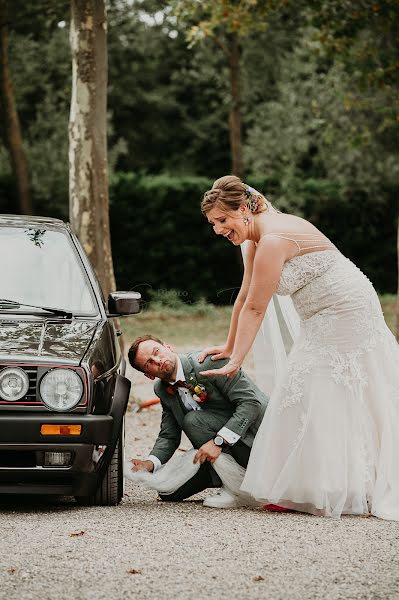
pixel 197 390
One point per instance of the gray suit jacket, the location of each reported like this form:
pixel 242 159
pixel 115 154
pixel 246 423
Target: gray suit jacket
pixel 238 399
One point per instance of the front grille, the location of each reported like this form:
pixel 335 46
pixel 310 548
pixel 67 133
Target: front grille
pixel 30 397
pixel 32 374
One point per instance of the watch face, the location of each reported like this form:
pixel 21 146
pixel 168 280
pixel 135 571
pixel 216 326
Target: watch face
pixel 219 441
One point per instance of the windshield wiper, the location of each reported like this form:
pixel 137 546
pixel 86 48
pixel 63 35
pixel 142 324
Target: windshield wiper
pixel 55 311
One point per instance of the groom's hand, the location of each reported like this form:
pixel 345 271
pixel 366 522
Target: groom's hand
pixel 208 451
pixel 142 465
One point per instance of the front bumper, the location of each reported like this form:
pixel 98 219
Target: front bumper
pixel 23 447
pixel 15 429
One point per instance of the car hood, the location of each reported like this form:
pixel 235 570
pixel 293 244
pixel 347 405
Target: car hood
pixel 45 339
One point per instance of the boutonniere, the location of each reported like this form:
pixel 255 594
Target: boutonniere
pixel 197 390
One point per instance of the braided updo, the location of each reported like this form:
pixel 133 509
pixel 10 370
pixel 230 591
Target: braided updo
pixel 229 193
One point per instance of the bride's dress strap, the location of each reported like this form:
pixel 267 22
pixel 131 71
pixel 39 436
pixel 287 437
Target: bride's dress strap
pixel 303 241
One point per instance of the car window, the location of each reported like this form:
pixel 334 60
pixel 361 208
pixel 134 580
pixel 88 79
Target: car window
pixel 40 266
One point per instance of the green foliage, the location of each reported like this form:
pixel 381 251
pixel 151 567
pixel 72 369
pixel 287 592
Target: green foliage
pixel 319 106
pixel 168 104
pixel 208 17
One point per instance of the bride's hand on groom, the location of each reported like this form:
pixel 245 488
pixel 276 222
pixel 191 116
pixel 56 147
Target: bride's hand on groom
pixel 217 353
pixel 228 370
pixel 208 451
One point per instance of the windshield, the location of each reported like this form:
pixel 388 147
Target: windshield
pixel 41 266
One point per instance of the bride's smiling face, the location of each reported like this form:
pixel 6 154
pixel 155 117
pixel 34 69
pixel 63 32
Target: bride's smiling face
pixel 229 224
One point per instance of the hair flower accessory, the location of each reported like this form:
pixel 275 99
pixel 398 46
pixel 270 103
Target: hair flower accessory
pixel 253 198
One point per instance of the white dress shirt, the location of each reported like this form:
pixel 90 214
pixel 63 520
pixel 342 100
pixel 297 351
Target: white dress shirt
pixel 190 404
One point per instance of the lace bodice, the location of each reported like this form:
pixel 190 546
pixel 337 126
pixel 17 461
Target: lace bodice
pixel 301 270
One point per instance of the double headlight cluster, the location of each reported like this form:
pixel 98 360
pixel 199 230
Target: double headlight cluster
pixel 60 389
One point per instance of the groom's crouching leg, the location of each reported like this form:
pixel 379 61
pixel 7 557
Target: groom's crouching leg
pixel 199 427
pixel 200 481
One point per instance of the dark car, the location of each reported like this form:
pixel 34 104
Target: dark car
pixel 63 393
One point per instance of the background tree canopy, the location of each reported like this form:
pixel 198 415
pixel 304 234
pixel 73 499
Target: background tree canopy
pixel 320 118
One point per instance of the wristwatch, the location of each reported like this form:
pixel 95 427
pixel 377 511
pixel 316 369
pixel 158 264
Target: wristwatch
pixel 219 441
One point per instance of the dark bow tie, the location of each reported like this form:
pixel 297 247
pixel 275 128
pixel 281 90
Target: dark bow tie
pixel 179 384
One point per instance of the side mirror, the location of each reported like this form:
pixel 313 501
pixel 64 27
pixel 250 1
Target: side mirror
pixel 124 303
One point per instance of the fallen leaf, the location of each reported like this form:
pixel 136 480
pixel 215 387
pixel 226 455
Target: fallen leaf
pixel 259 578
pixel 135 571
pixel 77 533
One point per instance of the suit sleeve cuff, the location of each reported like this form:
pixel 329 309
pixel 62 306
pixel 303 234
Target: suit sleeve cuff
pixel 229 436
pixel 155 461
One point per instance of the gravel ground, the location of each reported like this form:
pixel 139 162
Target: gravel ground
pixel 148 550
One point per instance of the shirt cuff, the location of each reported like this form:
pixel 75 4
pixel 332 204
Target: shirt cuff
pixel 155 461
pixel 229 436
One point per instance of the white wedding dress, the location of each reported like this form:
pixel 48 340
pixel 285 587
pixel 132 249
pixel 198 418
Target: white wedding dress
pixel 329 441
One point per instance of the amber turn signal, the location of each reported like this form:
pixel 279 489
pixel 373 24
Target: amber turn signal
pixel 47 429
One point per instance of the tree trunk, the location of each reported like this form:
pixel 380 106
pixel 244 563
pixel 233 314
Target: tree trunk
pixel 11 120
pixel 235 111
pixel 88 173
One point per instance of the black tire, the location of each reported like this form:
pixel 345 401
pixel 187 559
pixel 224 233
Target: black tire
pixel 110 490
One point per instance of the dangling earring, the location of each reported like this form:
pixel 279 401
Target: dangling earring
pixel 246 220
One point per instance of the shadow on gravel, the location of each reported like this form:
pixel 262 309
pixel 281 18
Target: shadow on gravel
pixel 36 503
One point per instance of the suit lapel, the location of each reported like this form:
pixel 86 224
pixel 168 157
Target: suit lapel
pixel 187 367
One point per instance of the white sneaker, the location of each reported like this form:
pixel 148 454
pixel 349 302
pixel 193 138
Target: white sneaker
pixel 223 499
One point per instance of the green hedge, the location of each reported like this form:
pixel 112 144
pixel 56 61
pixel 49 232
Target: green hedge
pixel 162 242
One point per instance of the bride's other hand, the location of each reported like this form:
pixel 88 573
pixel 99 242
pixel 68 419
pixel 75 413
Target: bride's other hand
pixel 228 370
pixel 217 352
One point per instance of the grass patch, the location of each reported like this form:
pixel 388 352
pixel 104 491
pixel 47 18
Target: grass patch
pixel 194 327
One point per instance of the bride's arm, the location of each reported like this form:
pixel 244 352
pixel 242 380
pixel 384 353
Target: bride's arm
pixel 268 263
pixel 242 295
pixel 226 350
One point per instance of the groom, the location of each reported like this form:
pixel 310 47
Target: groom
pixel 218 414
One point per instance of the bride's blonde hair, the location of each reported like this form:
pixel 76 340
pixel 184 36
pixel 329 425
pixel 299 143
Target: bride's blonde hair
pixel 229 193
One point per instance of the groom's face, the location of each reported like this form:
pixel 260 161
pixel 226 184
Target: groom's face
pixel 156 360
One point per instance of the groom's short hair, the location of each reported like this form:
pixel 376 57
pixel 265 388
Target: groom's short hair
pixel 135 346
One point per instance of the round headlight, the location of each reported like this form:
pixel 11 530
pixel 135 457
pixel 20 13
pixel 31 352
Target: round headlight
pixel 14 384
pixel 61 389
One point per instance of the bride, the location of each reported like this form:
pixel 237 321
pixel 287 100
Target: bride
pixel 329 440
